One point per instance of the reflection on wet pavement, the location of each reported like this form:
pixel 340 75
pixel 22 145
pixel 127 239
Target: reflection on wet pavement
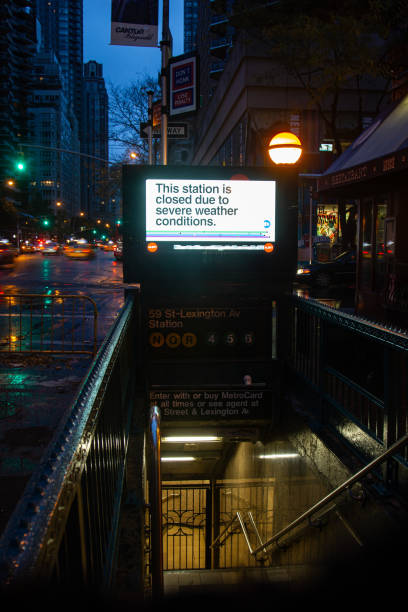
pixel 36 392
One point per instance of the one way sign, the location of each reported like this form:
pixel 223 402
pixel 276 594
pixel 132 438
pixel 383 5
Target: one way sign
pixel 174 130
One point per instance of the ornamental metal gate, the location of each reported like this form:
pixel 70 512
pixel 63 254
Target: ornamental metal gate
pixel 245 496
pixel 194 515
pixel 186 526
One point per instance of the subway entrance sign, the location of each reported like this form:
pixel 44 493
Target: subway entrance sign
pixel 209 356
pixel 189 227
pixel 214 250
pixel 231 332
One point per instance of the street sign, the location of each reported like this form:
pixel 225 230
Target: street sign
pixel 183 84
pixel 174 130
pixel 144 131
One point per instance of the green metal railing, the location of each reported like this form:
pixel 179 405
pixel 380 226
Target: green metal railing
pixel 64 529
pixel 359 370
pixel 48 323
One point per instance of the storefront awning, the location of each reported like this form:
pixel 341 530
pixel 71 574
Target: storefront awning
pixel 380 150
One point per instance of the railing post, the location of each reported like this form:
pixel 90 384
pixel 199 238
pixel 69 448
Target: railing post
pixel 155 502
pixel 321 364
pixel 391 362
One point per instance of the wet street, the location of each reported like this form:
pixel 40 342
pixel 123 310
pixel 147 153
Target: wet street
pixel 99 278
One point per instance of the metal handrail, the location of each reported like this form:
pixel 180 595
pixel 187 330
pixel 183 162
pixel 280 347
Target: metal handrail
pixel 245 531
pixel 340 489
pixel 31 543
pixel 238 516
pixel 155 503
pixel 375 330
pixel 234 518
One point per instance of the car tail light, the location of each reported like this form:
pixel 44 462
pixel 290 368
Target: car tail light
pixel 303 271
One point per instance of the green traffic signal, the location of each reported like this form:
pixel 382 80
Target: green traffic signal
pixel 45 222
pixel 20 164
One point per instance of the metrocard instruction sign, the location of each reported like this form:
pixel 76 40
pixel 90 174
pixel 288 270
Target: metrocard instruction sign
pixel 212 404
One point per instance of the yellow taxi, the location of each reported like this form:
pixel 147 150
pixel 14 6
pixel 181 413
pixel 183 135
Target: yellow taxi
pixel 79 250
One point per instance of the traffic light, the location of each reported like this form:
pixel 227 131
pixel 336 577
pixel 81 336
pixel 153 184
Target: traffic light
pixel 45 222
pixel 20 164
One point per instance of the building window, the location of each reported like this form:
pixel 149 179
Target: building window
pixel 373 258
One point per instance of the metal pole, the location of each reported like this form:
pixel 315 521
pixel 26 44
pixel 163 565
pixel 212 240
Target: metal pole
pixel 18 235
pixel 150 127
pixel 310 224
pixel 155 502
pixel 165 46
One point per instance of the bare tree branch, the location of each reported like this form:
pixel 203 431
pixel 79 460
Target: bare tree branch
pixel 128 108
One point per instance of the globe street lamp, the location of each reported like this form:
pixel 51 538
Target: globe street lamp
pixel 285 148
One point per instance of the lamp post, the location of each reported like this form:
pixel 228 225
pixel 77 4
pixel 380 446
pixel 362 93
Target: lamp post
pixel 166 52
pixel 59 215
pixel 285 148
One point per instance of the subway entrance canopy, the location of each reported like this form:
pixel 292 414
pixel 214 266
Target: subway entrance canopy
pixel 185 227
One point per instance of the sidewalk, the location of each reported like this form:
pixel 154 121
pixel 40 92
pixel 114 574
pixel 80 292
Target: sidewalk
pixel 36 391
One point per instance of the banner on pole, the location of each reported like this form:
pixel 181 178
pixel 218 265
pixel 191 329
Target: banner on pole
pixel 183 84
pixel 134 23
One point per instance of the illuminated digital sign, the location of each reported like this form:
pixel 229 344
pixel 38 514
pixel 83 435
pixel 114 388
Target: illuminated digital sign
pixel 187 226
pixel 210 211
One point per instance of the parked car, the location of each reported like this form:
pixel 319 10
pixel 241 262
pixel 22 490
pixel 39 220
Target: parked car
pixel 340 270
pixel 118 251
pixel 52 248
pixel 7 252
pixel 80 251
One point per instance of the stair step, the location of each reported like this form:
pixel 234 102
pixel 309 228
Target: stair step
pixel 188 582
